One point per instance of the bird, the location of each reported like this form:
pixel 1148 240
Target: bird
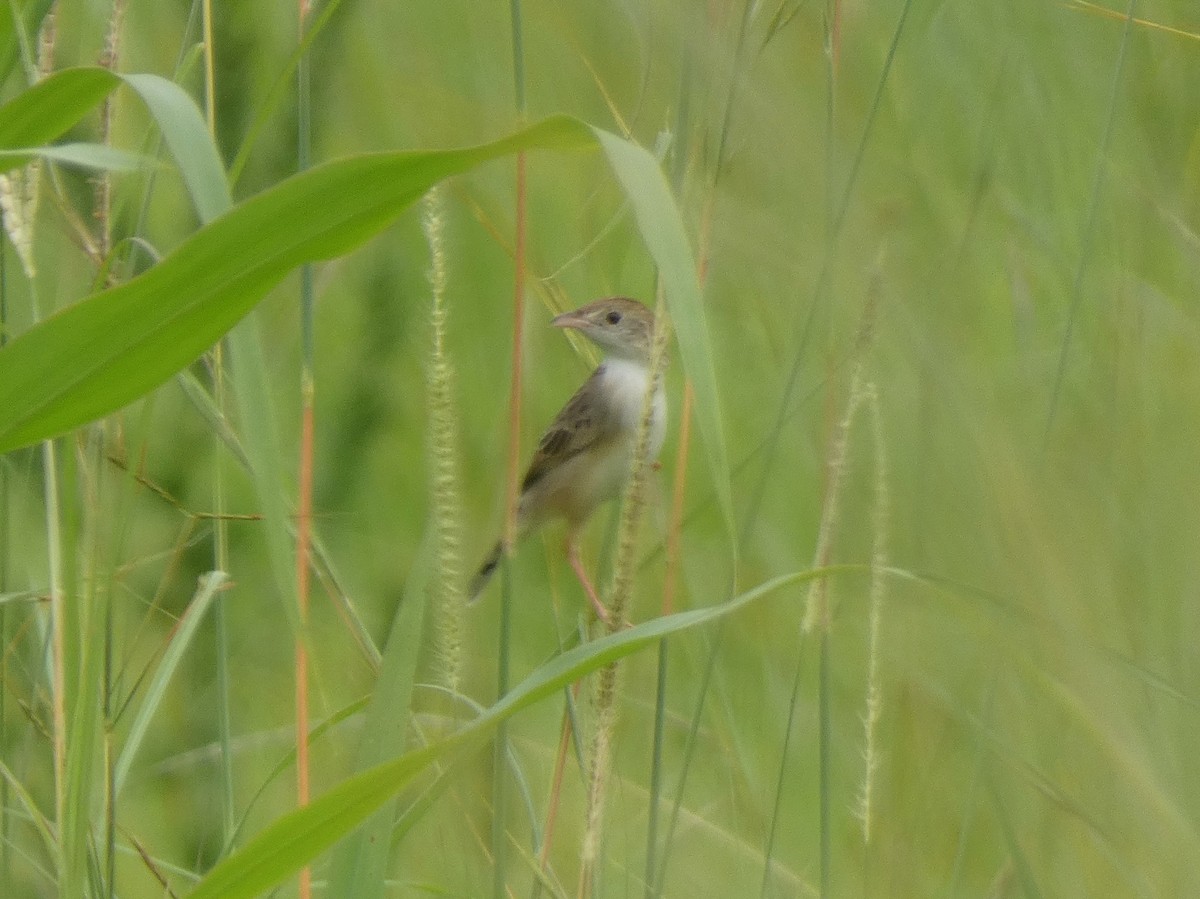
pixel 586 455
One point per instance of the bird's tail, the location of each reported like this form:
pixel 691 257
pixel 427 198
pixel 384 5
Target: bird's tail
pixel 485 572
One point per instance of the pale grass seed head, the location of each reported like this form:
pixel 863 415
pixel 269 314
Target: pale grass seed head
pixel 447 587
pixel 18 203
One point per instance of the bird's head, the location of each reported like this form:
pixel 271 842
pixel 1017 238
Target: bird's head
pixel 622 327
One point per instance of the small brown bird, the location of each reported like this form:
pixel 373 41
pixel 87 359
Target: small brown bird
pixel 586 456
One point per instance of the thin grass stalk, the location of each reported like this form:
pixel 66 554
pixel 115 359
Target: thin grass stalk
pixel 511 492
pixel 220 524
pixel 656 769
pixel 784 755
pixel 512 479
pixel 674 530
pixel 500 744
pixel 657 884
pixel 689 751
pixel 104 193
pixel 824 757
pixel 1089 225
pixel 824 278
pixel 220 619
pixel 54 558
pixel 653 873
pixel 97 594
pixel 18 201
pixel 679 168
pixel 619 598
pixel 570 736
pixel 1104 12
pixel 307 427
pixel 560 766
pixel 5 564
pixel 278 91
pixel 514 398
pixel 19 195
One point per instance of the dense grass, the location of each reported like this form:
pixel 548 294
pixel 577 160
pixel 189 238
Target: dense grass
pixel 949 263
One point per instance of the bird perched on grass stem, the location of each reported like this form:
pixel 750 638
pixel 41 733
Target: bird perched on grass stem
pixel 586 456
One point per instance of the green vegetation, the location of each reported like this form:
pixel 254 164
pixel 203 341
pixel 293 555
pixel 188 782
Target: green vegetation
pixel 914 594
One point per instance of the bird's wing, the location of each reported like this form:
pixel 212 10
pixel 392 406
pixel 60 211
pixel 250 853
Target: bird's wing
pixel 584 422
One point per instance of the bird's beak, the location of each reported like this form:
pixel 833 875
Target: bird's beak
pixel 568 320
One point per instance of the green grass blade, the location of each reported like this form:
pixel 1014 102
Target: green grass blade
pixel 82 155
pixel 209 585
pixel 46 110
pixel 82 682
pixel 187 137
pixel 781 780
pixel 52 106
pixel 284 80
pixel 1089 223
pixel 662 229
pixel 824 762
pixel 360 862
pixel 265 460
pixel 37 819
pixel 1018 860
pixel 29 19
pixel 297 838
pixel 286 761
pixel 114 346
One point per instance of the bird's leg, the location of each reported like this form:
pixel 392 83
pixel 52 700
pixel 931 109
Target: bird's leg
pixel 577 567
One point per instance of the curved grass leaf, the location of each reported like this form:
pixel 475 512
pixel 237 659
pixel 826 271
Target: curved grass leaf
pixel 180 640
pixel 46 110
pixel 662 228
pixel 82 155
pixel 112 347
pixel 188 139
pixel 297 838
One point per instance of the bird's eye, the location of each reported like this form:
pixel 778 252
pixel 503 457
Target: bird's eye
pixel 613 317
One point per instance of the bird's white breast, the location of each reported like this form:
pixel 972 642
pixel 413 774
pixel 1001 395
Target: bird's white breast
pixel 625 383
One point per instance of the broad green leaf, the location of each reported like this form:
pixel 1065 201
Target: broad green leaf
pixel 47 109
pixel 662 229
pixel 112 347
pixel 297 838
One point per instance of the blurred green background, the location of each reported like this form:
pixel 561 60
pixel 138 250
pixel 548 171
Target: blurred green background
pixel 1007 192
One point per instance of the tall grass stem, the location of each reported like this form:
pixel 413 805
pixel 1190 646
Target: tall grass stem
pixel 499 768
pixel 220 524
pixel 307 428
pixel 1089 223
pixel 825 276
